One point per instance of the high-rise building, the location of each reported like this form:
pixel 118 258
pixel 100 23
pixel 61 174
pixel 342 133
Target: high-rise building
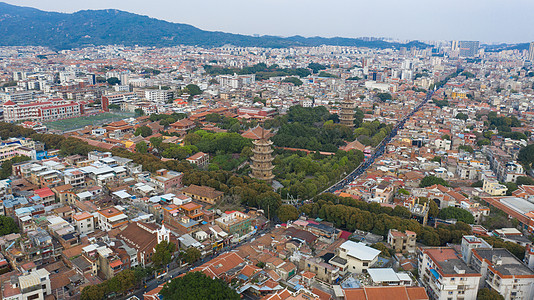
pixel 262 160
pixel 468 48
pixel 531 52
pixel 346 113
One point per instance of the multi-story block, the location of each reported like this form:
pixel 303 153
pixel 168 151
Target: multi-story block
pixel 445 276
pixel 235 222
pixel 402 241
pixel 84 222
pixel 166 179
pixel 111 218
pixel 494 188
pixel 504 272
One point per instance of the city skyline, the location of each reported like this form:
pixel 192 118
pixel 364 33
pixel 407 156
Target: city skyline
pixel 487 21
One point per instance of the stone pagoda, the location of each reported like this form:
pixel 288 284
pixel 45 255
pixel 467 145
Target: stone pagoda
pixel 346 113
pixel 262 160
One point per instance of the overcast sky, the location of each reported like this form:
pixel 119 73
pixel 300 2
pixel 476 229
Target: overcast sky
pixel 484 20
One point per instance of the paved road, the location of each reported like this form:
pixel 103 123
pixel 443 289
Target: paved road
pixel 378 151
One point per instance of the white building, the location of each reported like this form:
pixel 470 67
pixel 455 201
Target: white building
pixel 34 286
pixel 84 222
pixel 445 276
pixel 354 257
pixel 504 273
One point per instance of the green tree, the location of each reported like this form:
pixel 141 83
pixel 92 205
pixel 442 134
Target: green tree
pixel 287 212
pixel 293 80
pixel 431 180
pixel 163 254
pixel 141 147
pixel 93 292
pixel 436 159
pixel 384 96
pixel 315 67
pixel 385 251
pixel 196 285
pixel 466 148
pixel 7 166
pixel 113 81
pixel 143 131
pixel 457 213
pixel 489 294
pixel 139 112
pixel 461 116
pixel 526 156
pixel 191 255
pixel 193 89
pixel 524 180
pixel 114 106
pixel 7 225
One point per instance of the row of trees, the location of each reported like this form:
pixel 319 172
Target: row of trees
pixel 351 218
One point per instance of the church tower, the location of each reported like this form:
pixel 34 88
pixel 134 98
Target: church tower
pixel 163 234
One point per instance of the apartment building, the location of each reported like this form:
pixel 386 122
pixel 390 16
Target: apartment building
pixel 504 273
pixel 84 222
pixel 111 218
pixel 494 188
pixel 35 286
pixel 402 241
pixel 235 222
pixel 55 109
pixel 445 276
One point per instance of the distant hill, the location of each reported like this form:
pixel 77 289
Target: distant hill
pixel 25 26
pixel 501 47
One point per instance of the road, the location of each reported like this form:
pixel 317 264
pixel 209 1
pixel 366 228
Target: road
pixel 379 150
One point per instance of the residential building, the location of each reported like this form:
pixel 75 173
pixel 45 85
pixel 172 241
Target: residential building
pixel 200 159
pixel 167 180
pixel 354 257
pixel 494 188
pixel 235 222
pixel 110 218
pixel 84 222
pixel 203 193
pixel 504 273
pixel 445 276
pixel 402 241
pixel 35 286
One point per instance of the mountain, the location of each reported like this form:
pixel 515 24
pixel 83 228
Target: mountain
pixel 25 26
pixel 501 47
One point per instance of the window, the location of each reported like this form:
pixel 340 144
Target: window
pixel 365 264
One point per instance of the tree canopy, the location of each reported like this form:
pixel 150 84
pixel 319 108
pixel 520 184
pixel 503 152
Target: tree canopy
pixel 143 131
pixel 163 254
pixel 526 156
pixel 197 285
pixel 293 80
pixel 7 225
pixel 431 180
pixel 489 294
pixel 457 213
pixel 287 212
